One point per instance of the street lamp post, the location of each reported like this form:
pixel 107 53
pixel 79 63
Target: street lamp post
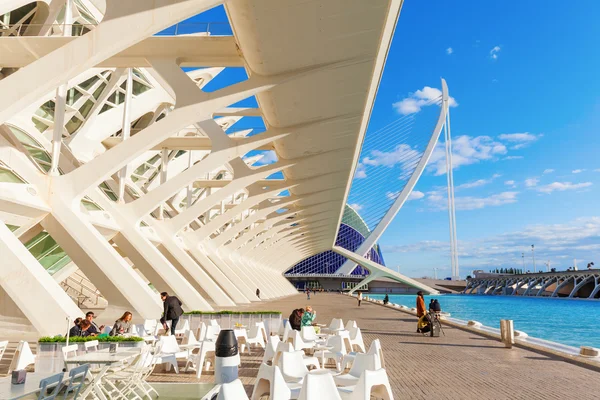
pixel 533 256
pixel 523 256
pixel 435 273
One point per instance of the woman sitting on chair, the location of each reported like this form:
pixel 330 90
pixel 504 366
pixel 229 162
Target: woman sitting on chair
pixel 122 325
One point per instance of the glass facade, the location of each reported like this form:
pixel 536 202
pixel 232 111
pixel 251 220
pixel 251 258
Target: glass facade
pixel 350 236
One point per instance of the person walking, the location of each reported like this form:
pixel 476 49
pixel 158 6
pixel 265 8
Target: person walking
pixel 307 294
pixel 258 293
pixel 359 298
pixel 421 312
pixel 172 311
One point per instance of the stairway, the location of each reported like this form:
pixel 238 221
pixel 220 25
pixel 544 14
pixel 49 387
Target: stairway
pixel 83 292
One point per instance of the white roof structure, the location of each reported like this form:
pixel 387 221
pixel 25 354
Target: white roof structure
pixel 119 165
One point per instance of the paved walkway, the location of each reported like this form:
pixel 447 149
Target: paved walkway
pixel 459 365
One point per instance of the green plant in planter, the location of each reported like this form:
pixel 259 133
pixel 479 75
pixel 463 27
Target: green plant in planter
pixel 78 339
pixel 226 312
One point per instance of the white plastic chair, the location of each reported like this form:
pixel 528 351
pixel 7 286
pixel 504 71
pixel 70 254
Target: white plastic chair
pixel 319 386
pixel 374 348
pixel 270 381
pixel 335 325
pixel 309 334
pixel 292 366
pixel 232 391
pixel 362 363
pixel 300 344
pixel 356 339
pixel 150 327
pixel 69 352
pixel 287 330
pixel 201 332
pixel 371 383
pixel 282 324
pixel 90 346
pixel 351 324
pixel 255 336
pixel 271 349
pixel 242 337
pixel 336 353
pixel 189 340
pixel 286 347
pixel 182 330
pixel 212 332
pixel 170 352
pixel 196 361
pixel 213 322
pixel 263 329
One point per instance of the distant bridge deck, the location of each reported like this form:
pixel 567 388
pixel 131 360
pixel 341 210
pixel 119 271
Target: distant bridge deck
pixel 572 284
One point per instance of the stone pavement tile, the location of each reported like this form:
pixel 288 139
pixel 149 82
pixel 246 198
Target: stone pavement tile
pixel 459 365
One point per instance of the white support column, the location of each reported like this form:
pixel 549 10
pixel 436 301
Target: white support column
pixel 32 289
pixel 126 130
pixel 164 164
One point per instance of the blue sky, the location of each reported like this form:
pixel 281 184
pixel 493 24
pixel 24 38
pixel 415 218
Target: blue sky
pixel 524 76
pixel 527 68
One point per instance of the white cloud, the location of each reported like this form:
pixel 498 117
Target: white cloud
pixel 520 140
pixel 466 150
pixel 357 207
pixel 548 171
pixel 597 170
pixel 392 195
pixel 559 243
pixel 477 183
pixel 421 98
pixel 360 173
pixel 449 50
pixel 494 52
pixel 415 195
pixel 531 182
pixel 403 155
pixel 440 202
pixel 562 186
pixel 268 157
pixel 578 171
pixel 510 183
pixel 513 158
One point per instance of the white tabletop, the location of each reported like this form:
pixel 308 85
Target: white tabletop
pixel 8 391
pixel 101 357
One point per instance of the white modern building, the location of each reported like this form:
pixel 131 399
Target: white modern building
pixel 142 153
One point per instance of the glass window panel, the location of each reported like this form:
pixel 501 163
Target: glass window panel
pixel 86 108
pixel 99 90
pixel 104 108
pixel 73 95
pixel 88 83
pixel 73 124
pixel 108 191
pixel 46 110
pixel 23 137
pixel 38 154
pixel 9 176
pixel 90 205
pixel 40 126
pixel 12 227
pixel 42 247
pixel 139 88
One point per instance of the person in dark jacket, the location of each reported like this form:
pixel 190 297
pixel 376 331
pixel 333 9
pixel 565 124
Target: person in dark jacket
pixel 172 311
pixel 94 328
pixel 295 319
pixel 80 329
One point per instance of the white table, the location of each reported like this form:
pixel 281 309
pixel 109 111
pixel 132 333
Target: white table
pixel 8 391
pixel 105 359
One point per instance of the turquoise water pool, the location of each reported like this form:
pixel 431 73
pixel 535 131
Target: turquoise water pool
pixel 572 322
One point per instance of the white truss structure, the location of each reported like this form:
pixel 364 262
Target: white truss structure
pixel 136 175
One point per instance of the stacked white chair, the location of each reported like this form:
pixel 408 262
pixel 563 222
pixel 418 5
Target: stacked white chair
pixel 374 348
pixel 69 352
pixel 170 352
pixel 335 325
pixel 336 352
pixel 299 343
pixel 362 363
pixel 270 381
pixel 371 383
pixel 356 339
pixel 255 336
pixel 319 386
pixel 271 349
pixel 201 332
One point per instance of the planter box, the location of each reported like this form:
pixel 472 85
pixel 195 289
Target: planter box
pixel 49 357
